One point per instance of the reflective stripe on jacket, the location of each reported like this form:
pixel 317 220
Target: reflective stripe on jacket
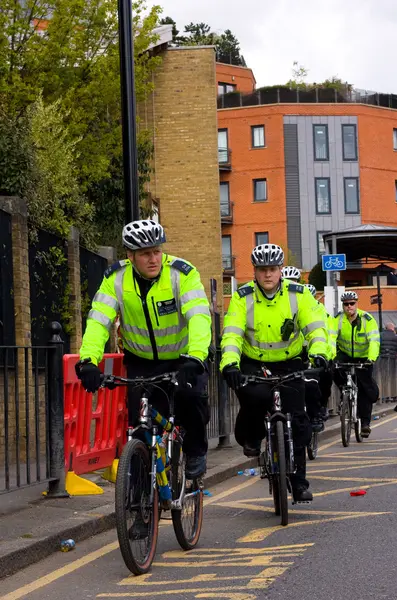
pixel 178 310
pixel 253 325
pixel 360 341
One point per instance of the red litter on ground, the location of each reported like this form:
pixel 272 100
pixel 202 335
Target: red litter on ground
pixel 358 493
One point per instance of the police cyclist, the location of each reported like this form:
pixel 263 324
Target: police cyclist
pixel 165 325
pixel 266 324
pixel 355 338
pixel 291 273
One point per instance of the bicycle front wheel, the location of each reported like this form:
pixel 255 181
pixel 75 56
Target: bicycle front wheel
pixel 357 431
pixel 188 519
pixel 346 420
pixel 282 473
pixel 312 448
pixel 137 517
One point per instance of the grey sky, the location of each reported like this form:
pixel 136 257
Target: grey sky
pixel 353 39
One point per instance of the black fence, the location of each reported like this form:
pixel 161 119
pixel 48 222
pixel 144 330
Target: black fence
pixel 7 324
pixel 92 268
pixel 282 95
pixel 49 288
pixel 31 416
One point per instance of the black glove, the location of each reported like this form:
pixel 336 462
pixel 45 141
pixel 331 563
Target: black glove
pixel 233 377
pixel 319 361
pixel 189 370
pixel 89 375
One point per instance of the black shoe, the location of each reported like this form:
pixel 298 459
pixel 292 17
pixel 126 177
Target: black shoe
pixel 317 425
pixel 302 494
pixel 252 450
pixel 365 431
pixel 196 466
pixel 139 530
pixel 395 408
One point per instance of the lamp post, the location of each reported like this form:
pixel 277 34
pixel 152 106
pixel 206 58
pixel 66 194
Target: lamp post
pixel 128 111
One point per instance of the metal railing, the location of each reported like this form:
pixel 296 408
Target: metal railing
pixel 284 95
pixel 228 264
pixel 225 159
pixel 227 213
pixel 31 416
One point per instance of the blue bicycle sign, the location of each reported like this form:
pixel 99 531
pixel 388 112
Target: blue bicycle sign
pixel 334 262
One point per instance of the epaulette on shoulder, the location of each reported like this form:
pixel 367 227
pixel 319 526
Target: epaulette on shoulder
pixel 367 316
pixel 114 267
pixel 296 287
pixel 245 290
pixel 182 266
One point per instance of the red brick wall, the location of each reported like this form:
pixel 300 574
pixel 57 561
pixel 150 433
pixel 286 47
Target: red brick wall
pixel 241 77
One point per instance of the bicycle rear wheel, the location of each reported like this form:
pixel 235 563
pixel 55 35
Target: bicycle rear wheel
pixel 136 517
pixel 188 520
pixel 282 473
pixel 346 420
pixel 312 448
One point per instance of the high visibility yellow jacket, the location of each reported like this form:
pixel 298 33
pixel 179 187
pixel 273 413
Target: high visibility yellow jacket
pixel 254 325
pixel 360 341
pixel 174 318
pixel 328 325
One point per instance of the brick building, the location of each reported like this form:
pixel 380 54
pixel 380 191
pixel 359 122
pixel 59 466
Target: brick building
pixel 294 165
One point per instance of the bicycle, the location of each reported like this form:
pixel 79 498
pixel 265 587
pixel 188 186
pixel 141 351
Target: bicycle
pixel 277 462
pixel 334 262
pixel 312 448
pixel 151 478
pixel 348 402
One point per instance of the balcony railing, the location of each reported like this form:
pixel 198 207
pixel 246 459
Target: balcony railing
pixel 228 263
pixel 282 95
pixel 227 213
pixel 224 159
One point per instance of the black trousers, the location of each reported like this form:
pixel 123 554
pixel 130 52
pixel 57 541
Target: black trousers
pixel 256 400
pixel 191 404
pixel 317 394
pixel 368 391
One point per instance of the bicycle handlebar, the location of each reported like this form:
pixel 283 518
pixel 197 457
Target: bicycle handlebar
pixel 277 379
pixel 116 380
pixel 346 365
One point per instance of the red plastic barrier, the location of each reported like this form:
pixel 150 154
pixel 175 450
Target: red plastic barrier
pixel 94 434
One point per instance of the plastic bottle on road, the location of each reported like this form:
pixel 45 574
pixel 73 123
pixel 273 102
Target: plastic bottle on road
pixel 250 472
pixel 67 545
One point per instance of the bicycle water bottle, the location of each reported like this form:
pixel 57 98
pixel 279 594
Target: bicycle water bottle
pixel 250 472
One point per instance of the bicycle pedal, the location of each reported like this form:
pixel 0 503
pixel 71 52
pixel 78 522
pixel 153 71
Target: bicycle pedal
pixel 302 502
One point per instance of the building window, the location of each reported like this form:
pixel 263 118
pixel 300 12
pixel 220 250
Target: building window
pixel 261 237
pixel 225 88
pixel 323 195
pixel 227 252
pixel 349 141
pixel 223 146
pixel 320 244
pixel 320 136
pixel 225 198
pixel 258 136
pixel 260 190
pixel 395 139
pixel 351 195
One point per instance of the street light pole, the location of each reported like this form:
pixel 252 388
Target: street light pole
pixel 128 111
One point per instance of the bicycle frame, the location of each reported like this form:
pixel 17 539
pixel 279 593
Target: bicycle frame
pixel 149 420
pixel 350 387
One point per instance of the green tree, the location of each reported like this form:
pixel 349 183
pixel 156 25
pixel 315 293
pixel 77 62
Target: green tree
pixel 73 64
pixel 199 34
pixel 228 49
pixel 299 74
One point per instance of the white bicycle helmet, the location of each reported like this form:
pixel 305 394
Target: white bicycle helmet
pixel 311 288
pixel 143 234
pixel 348 296
pixel 267 255
pixel 291 273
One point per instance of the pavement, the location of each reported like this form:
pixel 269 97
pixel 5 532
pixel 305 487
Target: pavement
pixel 33 526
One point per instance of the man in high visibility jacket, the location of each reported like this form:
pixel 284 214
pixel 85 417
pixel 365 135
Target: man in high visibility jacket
pixel 265 327
pixel 165 325
pixel 355 338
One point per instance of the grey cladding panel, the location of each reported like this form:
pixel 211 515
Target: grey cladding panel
pixel 292 189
